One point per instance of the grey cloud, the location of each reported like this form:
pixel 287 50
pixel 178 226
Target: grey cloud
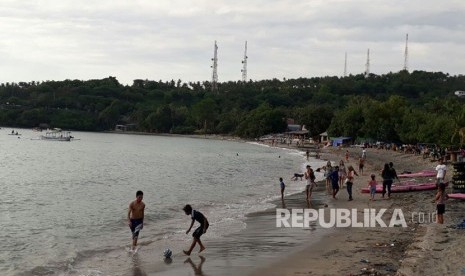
pixel 174 39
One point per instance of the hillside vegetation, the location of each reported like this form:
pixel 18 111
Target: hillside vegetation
pixel 399 107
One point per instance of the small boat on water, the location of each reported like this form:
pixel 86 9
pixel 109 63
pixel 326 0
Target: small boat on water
pixel 425 173
pixel 14 133
pixel 57 134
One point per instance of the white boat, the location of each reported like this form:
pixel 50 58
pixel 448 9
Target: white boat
pixel 57 134
pixel 460 94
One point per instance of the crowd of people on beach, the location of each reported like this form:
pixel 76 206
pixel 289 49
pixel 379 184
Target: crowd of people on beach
pixel 339 175
pixel 427 151
pixel 335 177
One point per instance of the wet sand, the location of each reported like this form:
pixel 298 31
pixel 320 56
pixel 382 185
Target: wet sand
pixel 261 243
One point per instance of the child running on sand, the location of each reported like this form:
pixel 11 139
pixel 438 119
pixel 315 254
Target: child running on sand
pixel 372 184
pixel 441 196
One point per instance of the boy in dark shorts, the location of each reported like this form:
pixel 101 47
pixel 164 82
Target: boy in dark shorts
pixel 202 229
pixel 136 217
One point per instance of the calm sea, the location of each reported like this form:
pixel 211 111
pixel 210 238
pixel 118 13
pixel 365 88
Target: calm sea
pixel 63 205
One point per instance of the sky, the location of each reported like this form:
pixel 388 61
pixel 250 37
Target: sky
pixel 167 40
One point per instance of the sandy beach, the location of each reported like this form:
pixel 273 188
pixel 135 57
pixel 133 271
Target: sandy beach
pixel 421 248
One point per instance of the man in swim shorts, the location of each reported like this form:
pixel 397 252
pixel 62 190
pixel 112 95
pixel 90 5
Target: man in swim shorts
pixel 136 217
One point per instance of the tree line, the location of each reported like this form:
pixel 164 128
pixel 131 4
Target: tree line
pixel 398 107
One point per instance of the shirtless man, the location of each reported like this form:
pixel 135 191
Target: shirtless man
pixel 136 217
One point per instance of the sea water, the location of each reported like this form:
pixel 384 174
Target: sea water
pixel 63 205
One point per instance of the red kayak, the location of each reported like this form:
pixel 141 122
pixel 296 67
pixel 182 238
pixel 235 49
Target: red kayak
pixel 405 187
pixel 457 196
pixel 425 173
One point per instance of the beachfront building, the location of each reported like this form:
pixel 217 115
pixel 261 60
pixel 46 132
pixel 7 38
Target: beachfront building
pixel 295 133
pixel 324 138
pixel 341 141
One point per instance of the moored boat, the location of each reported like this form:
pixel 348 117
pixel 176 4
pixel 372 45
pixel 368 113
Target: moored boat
pixel 425 173
pixel 457 196
pixel 57 135
pixel 407 187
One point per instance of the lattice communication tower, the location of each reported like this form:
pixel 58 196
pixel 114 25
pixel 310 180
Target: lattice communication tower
pixel 215 68
pixel 367 65
pixel 345 65
pixel 406 53
pixel 244 65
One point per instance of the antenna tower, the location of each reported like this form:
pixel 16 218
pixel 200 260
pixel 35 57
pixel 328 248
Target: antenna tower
pixel 367 65
pixel 215 69
pixel 406 53
pixel 345 65
pixel 244 65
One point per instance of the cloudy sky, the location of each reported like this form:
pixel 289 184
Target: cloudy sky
pixel 174 39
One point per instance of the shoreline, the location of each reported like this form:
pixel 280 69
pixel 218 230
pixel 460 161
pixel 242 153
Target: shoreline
pixel 261 249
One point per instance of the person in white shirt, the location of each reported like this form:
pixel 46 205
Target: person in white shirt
pixel 441 175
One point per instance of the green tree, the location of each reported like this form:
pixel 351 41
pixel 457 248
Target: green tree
pixel 316 118
pixel 260 121
pixel 205 113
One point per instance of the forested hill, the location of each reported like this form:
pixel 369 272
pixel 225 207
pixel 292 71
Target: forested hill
pixel 404 107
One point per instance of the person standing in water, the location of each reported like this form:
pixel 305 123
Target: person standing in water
pixel 283 186
pixel 202 229
pixel 136 217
